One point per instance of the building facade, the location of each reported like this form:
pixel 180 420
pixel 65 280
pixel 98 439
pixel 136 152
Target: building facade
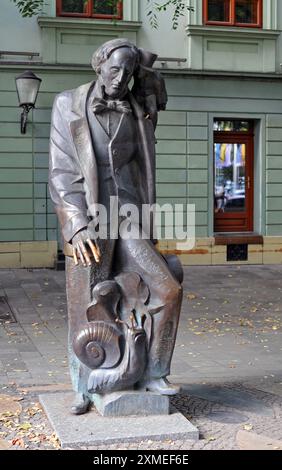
pixel 219 142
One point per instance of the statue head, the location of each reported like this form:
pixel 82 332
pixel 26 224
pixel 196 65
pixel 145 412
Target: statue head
pixel 115 63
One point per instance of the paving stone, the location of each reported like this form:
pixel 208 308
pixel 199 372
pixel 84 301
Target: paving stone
pixel 234 398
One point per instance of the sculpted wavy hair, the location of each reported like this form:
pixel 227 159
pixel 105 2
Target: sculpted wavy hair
pixel 105 51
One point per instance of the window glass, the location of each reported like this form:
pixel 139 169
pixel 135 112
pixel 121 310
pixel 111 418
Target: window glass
pixel 231 126
pixel 73 6
pixel 219 10
pixel 246 11
pixel 230 177
pixel 103 7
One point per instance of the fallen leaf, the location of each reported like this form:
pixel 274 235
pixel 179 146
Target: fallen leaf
pixel 4 445
pixel 248 427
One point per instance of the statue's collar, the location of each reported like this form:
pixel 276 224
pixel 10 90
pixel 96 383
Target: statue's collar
pixel 80 97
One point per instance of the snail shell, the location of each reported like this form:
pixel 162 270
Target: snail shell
pixel 97 345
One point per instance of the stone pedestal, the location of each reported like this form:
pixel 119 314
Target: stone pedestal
pixel 92 429
pixel 131 404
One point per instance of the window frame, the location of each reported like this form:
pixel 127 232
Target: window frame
pixel 232 16
pixel 88 13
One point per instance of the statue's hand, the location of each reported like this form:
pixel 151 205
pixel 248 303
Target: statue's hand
pixel 81 242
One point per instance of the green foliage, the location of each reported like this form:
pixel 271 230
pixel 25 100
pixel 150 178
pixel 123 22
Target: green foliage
pixel 179 7
pixel 29 8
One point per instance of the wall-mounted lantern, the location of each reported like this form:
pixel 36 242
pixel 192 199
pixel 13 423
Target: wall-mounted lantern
pixel 28 85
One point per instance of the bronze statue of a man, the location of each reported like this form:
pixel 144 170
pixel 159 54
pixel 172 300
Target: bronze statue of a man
pixel 123 298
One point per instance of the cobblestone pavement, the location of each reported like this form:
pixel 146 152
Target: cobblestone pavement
pixel 227 356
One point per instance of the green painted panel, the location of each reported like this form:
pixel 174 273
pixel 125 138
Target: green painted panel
pixel 42 115
pixel 274 217
pixel 50 206
pixel 171 161
pixel 201 232
pixel 274 148
pixel 41 130
pixel 274 230
pixel 45 100
pixel 216 88
pixel 8 114
pixel 15 176
pixel 42 222
pixel 197 190
pixel 197 176
pixel 201 218
pixel 16 235
pixel 18 145
pixel 173 190
pixel 16 206
pixel 52 234
pixel 43 234
pixel 274 176
pixel 274 162
pixel 168 146
pixel 172 118
pixel 41 176
pixel 198 147
pixel 274 190
pixel 171 176
pixel 198 133
pixel 16 222
pixel 171 132
pixel 15 160
pixel 40 190
pixel 201 203
pixel 171 200
pixel 9 98
pixel 41 160
pixel 40 235
pixel 197 119
pixel 41 145
pixel 40 206
pixel 13 130
pixel 274 120
pixel 274 203
pixel 8 190
pixel 197 161
pixel 274 134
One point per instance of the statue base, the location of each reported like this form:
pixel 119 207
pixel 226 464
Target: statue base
pixel 92 429
pixel 131 403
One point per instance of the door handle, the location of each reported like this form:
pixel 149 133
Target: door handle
pixel 249 182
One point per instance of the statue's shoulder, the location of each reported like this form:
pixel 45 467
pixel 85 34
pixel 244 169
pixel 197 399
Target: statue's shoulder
pixel 71 98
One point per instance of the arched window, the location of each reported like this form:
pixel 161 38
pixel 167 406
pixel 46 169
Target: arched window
pixel 103 9
pixel 242 13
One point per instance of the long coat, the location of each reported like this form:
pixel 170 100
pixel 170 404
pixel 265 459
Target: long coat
pixel 73 176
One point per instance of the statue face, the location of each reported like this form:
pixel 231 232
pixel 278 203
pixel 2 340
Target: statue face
pixel 117 71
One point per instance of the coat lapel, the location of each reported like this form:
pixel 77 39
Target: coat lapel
pixel 82 141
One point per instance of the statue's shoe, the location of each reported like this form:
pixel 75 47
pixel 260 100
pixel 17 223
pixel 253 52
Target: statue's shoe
pixel 161 386
pixel 80 404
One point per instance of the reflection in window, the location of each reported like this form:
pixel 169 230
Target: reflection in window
pixel 246 11
pixel 233 12
pixel 74 6
pixel 102 7
pixel 90 8
pixel 230 177
pixel 231 126
pixel 219 10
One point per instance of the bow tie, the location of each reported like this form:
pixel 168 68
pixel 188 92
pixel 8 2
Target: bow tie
pixel 100 105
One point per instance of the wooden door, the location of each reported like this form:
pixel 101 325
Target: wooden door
pixel 233 181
